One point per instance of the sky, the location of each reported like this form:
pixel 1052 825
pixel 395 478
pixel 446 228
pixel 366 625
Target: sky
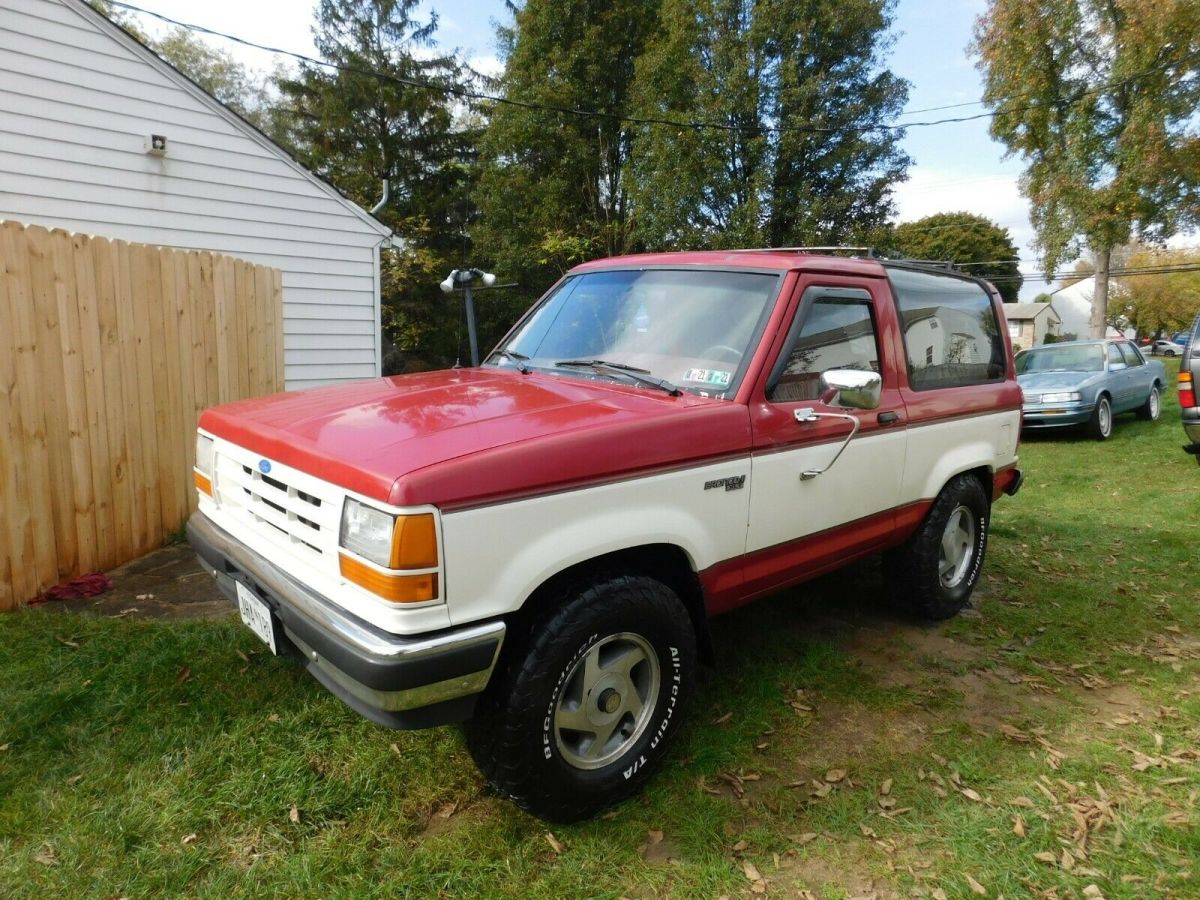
pixel 955 166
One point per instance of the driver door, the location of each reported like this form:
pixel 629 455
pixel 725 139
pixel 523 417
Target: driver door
pixel 798 525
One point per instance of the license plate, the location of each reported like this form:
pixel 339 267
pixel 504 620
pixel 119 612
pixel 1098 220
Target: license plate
pixel 256 615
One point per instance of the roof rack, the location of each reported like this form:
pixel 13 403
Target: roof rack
pixel 868 252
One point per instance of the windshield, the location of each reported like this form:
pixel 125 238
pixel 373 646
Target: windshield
pixel 693 328
pixel 1080 358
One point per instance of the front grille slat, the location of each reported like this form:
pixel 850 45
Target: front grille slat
pixel 298 520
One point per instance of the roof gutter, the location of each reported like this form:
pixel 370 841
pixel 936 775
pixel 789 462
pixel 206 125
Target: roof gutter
pixel 387 193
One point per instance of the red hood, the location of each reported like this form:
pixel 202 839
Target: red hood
pixel 466 436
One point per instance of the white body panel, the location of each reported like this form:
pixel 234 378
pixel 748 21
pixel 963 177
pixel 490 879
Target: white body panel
pixel 496 556
pixel 865 480
pixel 940 450
pixel 78 98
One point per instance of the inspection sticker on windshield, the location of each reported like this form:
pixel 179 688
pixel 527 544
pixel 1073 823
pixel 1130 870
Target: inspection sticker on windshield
pixel 708 376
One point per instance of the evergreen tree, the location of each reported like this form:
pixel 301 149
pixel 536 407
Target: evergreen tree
pixel 553 186
pixel 358 129
pixel 792 93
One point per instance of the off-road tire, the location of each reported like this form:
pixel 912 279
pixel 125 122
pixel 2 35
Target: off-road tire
pixel 912 570
pixel 513 735
pixel 1152 408
pixel 1100 426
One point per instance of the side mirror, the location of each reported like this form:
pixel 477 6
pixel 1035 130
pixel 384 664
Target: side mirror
pixel 855 388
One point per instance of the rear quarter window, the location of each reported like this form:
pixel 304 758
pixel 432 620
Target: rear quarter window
pixel 951 334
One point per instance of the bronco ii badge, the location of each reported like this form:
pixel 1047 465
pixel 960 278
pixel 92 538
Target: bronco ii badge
pixel 736 483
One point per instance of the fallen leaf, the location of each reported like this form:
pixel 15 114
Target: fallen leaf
pixel 1022 801
pixel 46 856
pixel 1018 826
pixel 972 795
pixel 1067 861
pixel 555 844
pixel 294 815
pixel 184 674
pixel 243 656
pixel 654 837
pixel 189 838
pixel 833 776
pixel 447 810
pixel 1046 856
pixel 1093 891
pixel 740 846
pixel 723 719
pixel 807 838
pixel 395 748
pixel 867 832
pixel 938 894
pixel 65 642
pixel 1013 734
pixel 885 788
pixel 751 873
pixel 762 746
pixel 274 717
pixel 975 886
pixel 74 780
pixel 4 748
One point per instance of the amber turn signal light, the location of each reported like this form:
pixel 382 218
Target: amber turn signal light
pixel 203 483
pixel 414 543
pixel 395 588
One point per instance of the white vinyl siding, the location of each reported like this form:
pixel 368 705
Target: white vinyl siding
pixel 77 102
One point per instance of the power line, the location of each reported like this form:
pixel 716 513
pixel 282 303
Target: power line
pixel 465 93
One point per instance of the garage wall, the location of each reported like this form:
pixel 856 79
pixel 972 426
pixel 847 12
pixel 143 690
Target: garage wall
pixel 78 101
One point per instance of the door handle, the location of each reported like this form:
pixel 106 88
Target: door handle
pixel 888 418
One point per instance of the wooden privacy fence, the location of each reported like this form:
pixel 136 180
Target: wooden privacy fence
pixel 109 351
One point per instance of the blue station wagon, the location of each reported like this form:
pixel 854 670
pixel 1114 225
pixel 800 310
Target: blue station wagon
pixel 1086 383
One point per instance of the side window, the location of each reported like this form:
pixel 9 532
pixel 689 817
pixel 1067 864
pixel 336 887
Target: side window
pixel 1115 359
pixel 1132 357
pixel 837 332
pixel 951 333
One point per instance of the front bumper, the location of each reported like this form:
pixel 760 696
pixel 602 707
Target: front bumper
pixel 1059 415
pixel 397 681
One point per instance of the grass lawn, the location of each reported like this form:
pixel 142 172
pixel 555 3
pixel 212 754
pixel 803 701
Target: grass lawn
pixel 1045 743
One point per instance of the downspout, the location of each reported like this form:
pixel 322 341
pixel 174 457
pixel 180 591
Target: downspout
pixel 387 192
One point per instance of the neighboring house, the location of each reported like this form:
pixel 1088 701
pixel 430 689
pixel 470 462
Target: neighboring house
pixel 1074 306
pixel 80 102
pixel 1029 323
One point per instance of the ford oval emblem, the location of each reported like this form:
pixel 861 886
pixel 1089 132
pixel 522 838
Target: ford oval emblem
pixel 264 466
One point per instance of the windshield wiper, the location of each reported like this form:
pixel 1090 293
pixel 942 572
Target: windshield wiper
pixel 640 375
pixel 517 359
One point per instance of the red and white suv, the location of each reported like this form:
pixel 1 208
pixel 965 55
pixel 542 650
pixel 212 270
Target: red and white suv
pixel 537 544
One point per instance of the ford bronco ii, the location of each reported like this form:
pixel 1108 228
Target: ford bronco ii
pixel 535 545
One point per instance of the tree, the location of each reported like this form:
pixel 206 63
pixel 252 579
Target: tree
pixel 790 94
pixel 402 125
pixel 1164 302
pixel 976 243
pixel 1099 98
pixel 553 186
pixel 218 72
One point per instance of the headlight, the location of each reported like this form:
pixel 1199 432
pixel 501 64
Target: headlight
pixel 1063 397
pixel 368 532
pixel 397 544
pixel 204 464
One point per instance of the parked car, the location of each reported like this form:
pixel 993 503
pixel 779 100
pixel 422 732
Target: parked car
pixel 536 544
pixel 1086 383
pixel 1165 348
pixel 1189 377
